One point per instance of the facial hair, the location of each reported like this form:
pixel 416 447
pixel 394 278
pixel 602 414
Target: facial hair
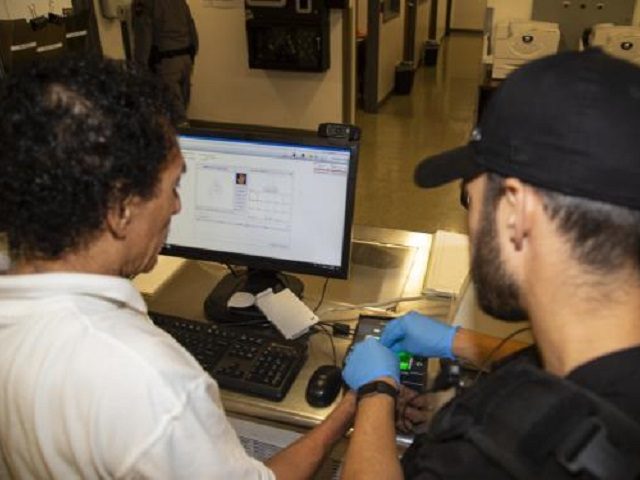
pixel 496 290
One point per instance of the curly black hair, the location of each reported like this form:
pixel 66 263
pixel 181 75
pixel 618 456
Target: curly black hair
pixel 76 136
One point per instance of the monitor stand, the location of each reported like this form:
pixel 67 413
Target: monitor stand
pixel 251 281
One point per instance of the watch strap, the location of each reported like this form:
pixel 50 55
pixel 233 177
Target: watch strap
pixel 377 386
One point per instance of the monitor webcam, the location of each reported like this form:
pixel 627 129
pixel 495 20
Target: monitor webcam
pixel 343 131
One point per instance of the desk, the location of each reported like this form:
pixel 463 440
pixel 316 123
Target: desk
pixel 385 264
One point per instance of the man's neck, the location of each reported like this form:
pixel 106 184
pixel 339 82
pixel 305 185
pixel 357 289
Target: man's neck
pixel 580 321
pixel 95 258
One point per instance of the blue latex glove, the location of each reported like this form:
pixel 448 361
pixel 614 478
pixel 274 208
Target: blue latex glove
pixel 370 360
pixel 419 335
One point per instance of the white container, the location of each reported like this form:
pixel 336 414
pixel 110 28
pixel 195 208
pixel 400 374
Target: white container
pixel 620 41
pixel 516 42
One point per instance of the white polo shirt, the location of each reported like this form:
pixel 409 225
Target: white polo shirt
pixel 90 388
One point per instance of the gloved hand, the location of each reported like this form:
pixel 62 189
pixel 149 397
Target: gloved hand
pixel 370 360
pixel 419 335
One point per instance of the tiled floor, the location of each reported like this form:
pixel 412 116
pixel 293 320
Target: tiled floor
pixel 438 114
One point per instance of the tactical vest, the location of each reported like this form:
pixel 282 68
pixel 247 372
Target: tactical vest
pixel 533 425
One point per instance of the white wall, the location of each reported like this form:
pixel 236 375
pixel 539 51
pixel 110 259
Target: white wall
pixel 110 34
pixel 441 20
pixel 362 8
pixel 468 14
pixel 391 41
pixel 511 9
pixel 224 89
pixel 422 27
pixel 390 51
pixel 521 9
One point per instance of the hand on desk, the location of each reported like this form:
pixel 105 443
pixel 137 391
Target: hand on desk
pixel 419 335
pixel 370 360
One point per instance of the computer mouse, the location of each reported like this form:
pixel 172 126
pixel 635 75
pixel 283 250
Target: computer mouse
pixel 324 385
pixel 241 300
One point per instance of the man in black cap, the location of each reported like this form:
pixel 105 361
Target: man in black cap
pixel 551 178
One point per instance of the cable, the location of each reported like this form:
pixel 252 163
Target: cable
pixel 231 269
pixel 372 305
pixel 324 291
pixel 333 345
pixel 330 322
pixel 487 360
pixel 334 324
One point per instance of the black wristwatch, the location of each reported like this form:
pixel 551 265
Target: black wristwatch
pixel 377 386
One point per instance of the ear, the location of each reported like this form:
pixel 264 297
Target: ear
pixel 519 200
pixel 119 218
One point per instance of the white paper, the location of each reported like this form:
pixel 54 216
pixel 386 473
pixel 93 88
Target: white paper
pixel 287 312
pixel 448 264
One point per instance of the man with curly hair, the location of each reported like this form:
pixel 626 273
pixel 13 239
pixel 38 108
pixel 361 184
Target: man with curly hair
pixel 90 388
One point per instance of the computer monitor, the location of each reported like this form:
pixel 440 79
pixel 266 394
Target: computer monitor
pixel 270 201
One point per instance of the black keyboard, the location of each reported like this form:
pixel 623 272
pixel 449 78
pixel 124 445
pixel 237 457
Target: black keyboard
pixel 238 359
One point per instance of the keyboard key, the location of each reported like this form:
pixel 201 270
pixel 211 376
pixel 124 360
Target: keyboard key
pixel 239 360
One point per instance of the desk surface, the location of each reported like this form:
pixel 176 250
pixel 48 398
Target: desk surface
pixel 385 264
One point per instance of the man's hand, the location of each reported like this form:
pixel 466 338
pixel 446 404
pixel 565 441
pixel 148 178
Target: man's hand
pixel 419 335
pixel 412 409
pixel 370 360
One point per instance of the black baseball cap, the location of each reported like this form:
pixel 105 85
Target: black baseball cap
pixel 568 122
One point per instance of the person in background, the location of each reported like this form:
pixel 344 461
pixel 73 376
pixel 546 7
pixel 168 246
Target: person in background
pixel 166 40
pixel 89 174
pixel 551 179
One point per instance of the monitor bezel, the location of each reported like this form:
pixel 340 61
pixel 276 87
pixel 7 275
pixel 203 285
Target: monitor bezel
pixel 279 136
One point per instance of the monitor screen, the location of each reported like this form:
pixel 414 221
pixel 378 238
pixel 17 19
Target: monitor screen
pixel 272 202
